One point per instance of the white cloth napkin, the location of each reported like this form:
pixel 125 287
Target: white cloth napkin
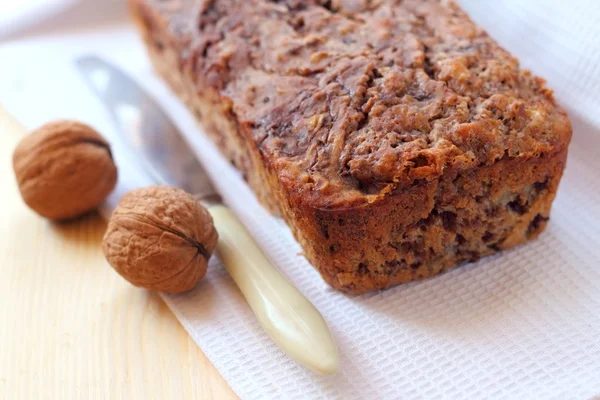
pixel 16 16
pixel 522 324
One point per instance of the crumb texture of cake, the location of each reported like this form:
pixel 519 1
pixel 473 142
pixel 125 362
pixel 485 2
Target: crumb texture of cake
pixel 396 138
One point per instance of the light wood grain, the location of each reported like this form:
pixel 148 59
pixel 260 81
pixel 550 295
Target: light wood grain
pixel 70 327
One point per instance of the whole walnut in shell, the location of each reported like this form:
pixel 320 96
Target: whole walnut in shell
pixel 160 238
pixel 64 169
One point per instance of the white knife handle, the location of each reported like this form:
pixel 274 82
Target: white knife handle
pixel 285 314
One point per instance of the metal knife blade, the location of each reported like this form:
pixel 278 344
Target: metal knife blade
pixel 147 127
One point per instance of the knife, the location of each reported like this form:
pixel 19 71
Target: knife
pixel 293 323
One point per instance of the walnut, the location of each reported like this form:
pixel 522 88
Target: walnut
pixel 64 169
pixel 160 238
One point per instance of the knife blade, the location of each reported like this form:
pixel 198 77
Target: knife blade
pixel 285 314
pixel 149 131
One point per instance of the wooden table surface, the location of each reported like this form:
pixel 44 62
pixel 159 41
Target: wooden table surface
pixel 70 327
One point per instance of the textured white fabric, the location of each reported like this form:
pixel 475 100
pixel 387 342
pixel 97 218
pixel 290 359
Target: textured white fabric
pixel 522 324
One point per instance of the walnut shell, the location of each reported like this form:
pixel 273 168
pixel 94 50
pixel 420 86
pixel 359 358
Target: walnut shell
pixel 64 169
pixel 160 238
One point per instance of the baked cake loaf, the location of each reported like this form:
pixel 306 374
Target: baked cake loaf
pixel 395 137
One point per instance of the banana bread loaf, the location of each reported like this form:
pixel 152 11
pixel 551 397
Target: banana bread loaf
pixel 395 137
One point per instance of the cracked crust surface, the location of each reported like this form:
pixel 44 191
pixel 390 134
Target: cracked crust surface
pixel 336 109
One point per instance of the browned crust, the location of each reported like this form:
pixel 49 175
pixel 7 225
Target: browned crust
pixel 434 226
pixel 409 234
